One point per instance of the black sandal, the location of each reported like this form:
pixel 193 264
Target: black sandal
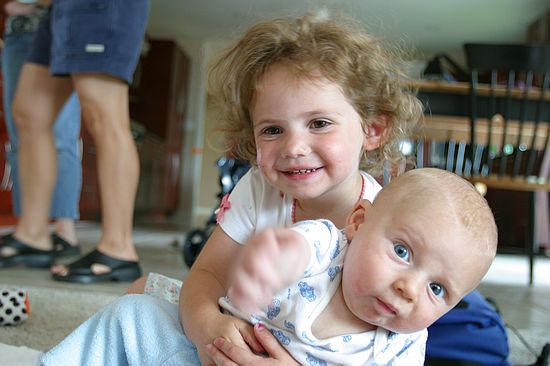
pixel 24 254
pixel 63 248
pixel 81 270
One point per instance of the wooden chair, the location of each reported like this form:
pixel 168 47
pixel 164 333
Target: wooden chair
pixel 506 146
pixel 509 135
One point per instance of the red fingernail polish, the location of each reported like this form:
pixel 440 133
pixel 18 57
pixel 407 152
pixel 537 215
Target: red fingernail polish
pixel 260 326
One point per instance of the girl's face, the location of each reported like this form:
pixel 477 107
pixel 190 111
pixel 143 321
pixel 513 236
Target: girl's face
pixel 308 137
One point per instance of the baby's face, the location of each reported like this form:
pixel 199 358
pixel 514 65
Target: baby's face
pixel 408 264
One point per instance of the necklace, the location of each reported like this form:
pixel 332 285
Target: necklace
pixel 294 201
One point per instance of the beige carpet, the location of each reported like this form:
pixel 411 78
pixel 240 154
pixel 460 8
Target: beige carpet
pixel 520 354
pixel 54 314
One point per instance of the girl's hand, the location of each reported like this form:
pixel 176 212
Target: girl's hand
pixel 224 353
pixel 232 330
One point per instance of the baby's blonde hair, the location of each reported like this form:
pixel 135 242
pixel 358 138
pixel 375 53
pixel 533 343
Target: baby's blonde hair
pixel 367 73
pixel 460 199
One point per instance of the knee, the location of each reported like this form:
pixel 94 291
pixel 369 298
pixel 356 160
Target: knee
pixel 105 109
pixel 105 122
pixel 23 117
pixel 132 304
pixel 142 311
pixel 126 310
pixel 138 286
pixel 94 117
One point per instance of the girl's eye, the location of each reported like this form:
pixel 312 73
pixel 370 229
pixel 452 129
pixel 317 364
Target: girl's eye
pixel 273 130
pixel 437 289
pixel 402 251
pixel 320 123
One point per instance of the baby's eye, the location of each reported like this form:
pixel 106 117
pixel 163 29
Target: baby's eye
pixel 437 289
pixel 320 123
pixel 402 251
pixel 272 130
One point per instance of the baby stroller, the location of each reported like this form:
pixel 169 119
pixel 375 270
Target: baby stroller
pixel 231 170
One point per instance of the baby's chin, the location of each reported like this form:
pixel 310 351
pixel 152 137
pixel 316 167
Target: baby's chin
pixel 407 329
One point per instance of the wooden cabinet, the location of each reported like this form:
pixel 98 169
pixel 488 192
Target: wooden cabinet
pixel 5 175
pixel 6 215
pixel 158 99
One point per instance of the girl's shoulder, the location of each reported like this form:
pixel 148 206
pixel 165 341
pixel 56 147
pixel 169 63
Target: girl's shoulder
pixel 371 187
pixel 254 181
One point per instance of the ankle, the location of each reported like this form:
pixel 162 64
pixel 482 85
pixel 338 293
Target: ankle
pixel 40 240
pixel 65 229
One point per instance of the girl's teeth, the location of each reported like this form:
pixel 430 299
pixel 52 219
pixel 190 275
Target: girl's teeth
pixel 302 171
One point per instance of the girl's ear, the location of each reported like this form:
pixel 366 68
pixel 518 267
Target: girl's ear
pixel 357 217
pixel 377 132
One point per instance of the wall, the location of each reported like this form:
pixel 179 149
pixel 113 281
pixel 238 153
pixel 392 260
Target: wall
pixel 208 185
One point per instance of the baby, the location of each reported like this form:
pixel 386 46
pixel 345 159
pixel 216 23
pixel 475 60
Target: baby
pixel 366 294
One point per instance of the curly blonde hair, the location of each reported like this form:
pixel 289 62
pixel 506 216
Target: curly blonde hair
pixel 368 74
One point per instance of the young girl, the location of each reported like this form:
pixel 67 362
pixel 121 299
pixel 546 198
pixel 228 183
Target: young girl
pixel 307 101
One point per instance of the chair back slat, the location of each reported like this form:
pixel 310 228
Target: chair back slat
pixel 460 158
pixel 519 146
pixel 488 156
pixel 473 117
pixel 538 116
pixel 505 113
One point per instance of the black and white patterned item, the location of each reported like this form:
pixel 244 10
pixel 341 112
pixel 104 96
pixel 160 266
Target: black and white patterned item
pixel 14 306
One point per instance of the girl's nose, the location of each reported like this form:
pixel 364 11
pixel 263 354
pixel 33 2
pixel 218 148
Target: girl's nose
pixel 296 145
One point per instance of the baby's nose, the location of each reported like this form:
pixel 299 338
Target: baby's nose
pixel 408 288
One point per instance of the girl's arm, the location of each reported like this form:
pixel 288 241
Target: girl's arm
pixel 224 353
pixel 206 282
pixel 271 260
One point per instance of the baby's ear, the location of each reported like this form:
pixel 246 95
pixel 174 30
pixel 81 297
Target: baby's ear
pixel 377 133
pixel 357 217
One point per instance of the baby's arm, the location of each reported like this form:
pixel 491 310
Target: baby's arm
pixel 205 284
pixel 271 260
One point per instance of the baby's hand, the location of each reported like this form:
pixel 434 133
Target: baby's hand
pixel 270 260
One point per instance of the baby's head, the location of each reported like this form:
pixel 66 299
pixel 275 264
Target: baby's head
pixel 314 47
pixel 426 241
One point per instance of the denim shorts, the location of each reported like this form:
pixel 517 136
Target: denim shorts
pixel 98 36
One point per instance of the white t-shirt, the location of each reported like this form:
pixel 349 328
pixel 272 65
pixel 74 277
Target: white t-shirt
pixel 256 205
pixel 294 309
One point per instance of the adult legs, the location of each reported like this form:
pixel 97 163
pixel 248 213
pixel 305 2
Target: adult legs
pixel 105 108
pixel 16 47
pixel 66 136
pixel 38 99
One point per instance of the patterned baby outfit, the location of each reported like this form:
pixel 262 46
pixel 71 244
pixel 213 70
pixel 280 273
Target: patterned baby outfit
pixel 294 309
